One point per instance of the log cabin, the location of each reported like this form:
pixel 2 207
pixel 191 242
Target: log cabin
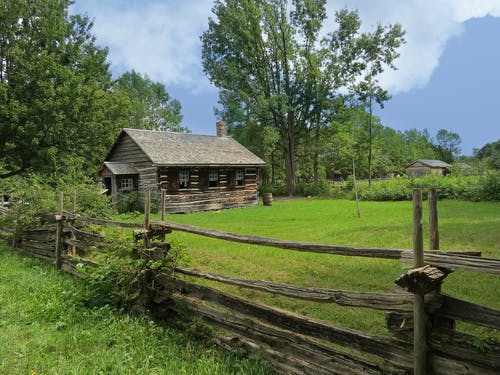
pixel 421 167
pixel 196 172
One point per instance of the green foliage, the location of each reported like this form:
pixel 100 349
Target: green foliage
pixel 274 69
pixel 128 202
pixel 322 188
pixel 469 188
pixel 57 108
pixel 484 344
pixel 489 186
pixel 448 145
pixel 149 104
pixel 127 271
pixel 278 189
pixel 490 153
pixel 31 199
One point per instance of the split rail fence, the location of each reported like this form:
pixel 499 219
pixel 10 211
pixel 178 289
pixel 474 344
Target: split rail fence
pixel 421 318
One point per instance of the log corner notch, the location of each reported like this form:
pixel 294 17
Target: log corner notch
pixel 423 280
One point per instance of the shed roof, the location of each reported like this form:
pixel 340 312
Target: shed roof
pixel 169 149
pixel 430 163
pixel 120 168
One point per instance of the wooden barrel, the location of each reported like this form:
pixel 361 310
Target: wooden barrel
pixel 267 199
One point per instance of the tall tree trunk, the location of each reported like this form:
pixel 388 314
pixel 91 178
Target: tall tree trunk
pixel 370 144
pixel 316 150
pixel 272 167
pixel 289 150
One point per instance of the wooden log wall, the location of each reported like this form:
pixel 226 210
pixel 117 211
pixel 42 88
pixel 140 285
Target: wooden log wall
pixel 127 151
pixel 199 197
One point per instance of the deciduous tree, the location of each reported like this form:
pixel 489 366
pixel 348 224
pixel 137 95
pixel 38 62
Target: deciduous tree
pixel 55 98
pixel 270 59
pixel 150 105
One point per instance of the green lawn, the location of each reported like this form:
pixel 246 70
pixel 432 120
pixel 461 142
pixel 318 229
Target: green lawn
pixel 47 327
pixel 463 226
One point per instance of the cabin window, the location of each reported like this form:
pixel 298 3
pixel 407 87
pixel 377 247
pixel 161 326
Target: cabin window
pixel 240 177
pixel 213 178
pixel 126 184
pixel 183 179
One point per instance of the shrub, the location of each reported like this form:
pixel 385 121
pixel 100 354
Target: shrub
pixel 128 202
pixel 489 186
pixel 322 188
pixel 128 272
pixel 471 188
pixel 32 200
pixel 277 189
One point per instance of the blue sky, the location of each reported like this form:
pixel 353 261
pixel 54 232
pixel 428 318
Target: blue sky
pixel 448 76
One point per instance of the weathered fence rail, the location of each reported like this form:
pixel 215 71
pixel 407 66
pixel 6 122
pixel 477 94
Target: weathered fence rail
pixel 290 341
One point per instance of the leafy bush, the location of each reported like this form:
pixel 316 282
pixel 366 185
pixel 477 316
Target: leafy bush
pixel 128 272
pixel 278 189
pixel 31 200
pixel 489 186
pixel 322 188
pixel 471 188
pixel 128 202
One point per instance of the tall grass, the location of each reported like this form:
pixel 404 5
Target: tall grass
pixel 48 327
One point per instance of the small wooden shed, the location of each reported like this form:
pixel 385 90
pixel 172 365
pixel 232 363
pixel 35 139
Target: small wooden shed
pixel 426 166
pixel 197 172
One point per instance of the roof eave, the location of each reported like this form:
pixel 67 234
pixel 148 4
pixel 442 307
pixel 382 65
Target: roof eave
pixel 214 165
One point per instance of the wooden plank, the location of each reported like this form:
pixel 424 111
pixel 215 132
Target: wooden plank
pixel 443 365
pixel 318 358
pixel 284 244
pixel 486 265
pixel 90 238
pixel 378 301
pixel 459 351
pixel 442 259
pixel 457 309
pixel 108 223
pixel 396 352
pixel 210 207
pixel 43 246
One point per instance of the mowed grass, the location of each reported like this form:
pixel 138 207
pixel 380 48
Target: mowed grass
pixel 463 226
pixel 47 327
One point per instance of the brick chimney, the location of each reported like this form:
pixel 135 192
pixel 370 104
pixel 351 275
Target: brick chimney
pixel 221 128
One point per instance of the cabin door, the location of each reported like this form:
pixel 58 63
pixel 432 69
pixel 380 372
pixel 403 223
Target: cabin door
pixel 108 185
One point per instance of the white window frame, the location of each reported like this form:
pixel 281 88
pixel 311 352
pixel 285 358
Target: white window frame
pixel 240 177
pixel 184 179
pixel 213 176
pixel 126 184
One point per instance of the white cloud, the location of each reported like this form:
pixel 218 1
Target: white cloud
pixel 429 26
pixel 161 38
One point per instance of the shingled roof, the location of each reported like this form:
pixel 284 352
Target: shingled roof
pixel 169 149
pixel 431 163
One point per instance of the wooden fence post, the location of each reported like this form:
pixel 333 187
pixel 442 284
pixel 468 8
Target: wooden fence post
pixel 419 318
pixel 433 219
pixel 72 248
pixel 59 227
pixel 147 216
pixel 163 205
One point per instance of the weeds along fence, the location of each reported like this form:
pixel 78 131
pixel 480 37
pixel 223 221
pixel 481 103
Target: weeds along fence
pixel 421 318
